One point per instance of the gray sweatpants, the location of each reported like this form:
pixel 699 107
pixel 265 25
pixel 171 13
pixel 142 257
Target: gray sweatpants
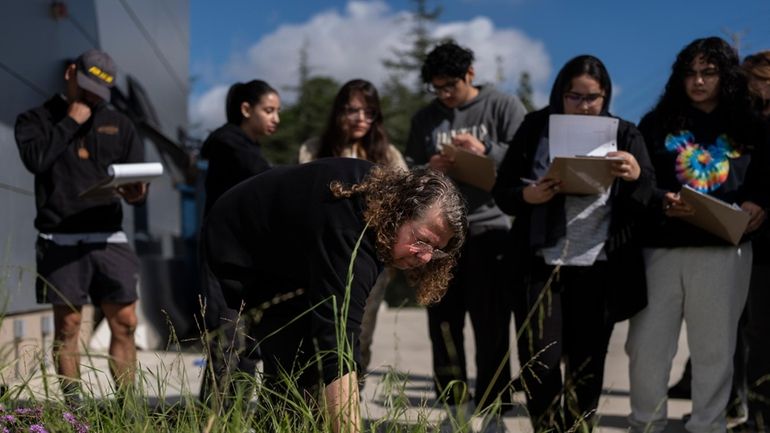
pixel 707 287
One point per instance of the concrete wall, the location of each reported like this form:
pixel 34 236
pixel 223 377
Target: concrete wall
pixel 149 39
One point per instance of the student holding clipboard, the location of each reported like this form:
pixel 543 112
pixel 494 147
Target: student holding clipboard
pixel 757 326
pixel 596 265
pixel 701 134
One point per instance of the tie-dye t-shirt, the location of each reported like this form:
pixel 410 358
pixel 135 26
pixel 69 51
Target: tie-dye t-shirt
pixel 703 166
pixel 707 155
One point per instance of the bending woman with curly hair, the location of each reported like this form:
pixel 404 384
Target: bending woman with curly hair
pixel 281 245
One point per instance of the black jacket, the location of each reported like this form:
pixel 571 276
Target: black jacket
pixel 282 231
pixel 67 158
pixel 627 199
pixel 745 169
pixel 233 157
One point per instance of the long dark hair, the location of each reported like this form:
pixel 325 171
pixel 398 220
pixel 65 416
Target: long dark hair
pixel 581 65
pixel 674 104
pixel 251 92
pixel 335 137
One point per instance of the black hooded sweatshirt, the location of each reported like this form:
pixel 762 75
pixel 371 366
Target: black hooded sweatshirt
pixel 233 157
pixel 67 158
pixel 706 155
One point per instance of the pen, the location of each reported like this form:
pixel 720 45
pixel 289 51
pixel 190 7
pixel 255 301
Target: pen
pixel 528 181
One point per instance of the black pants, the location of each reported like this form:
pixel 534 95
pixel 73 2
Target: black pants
pixel 566 321
pixel 757 335
pixel 477 288
pixel 233 356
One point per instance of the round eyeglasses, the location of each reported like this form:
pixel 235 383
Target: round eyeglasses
pixel 353 114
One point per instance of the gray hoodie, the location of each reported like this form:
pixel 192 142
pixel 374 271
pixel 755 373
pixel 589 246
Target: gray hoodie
pixel 492 117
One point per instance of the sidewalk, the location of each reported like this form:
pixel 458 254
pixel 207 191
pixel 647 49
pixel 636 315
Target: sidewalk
pixel 401 343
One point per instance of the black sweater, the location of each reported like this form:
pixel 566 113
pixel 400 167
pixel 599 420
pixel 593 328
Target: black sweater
pixel 627 199
pixel 51 146
pixel 282 231
pixel 706 156
pixel 233 157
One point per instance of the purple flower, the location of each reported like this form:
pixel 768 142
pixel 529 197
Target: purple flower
pixel 70 418
pixel 5 430
pixel 8 418
pixel 37 428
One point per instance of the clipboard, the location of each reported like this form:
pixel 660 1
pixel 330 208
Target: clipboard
pixel 582 175
pixel 470 168
pixel 122 174
pixel 725 221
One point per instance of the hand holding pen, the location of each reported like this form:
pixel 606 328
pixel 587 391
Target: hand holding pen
pixel 674 206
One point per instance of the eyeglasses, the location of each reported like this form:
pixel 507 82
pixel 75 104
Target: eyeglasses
pixel 424 247
pixel 704 74
pixel 450 87
pixel 575 98
pixel 353 114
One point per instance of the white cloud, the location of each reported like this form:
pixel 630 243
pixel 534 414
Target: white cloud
pixel 352 44
pixel 207 111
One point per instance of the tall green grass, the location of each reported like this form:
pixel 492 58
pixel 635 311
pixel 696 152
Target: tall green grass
pixel 256 408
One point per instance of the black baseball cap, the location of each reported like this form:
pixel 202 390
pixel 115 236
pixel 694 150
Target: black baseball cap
pixel 96 73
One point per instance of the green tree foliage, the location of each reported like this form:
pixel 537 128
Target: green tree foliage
pixel 401 100
pixel 411 60
pixel 302 120
pixel 399 103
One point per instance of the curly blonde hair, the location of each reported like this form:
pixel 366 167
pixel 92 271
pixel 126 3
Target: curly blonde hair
pixel 394 197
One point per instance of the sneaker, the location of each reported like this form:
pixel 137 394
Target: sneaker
pixel 747 426
pixel 733 422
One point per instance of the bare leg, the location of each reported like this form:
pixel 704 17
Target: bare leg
pixel 122 321
pixel 65 348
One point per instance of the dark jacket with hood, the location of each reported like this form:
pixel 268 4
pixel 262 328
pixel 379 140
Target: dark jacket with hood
pixel 67 159
pixel 706 153
pixel 233 157
pixel 538 226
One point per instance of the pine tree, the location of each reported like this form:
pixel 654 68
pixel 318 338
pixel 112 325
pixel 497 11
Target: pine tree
pixel 525 91
pixel 304 119
pixel 400 100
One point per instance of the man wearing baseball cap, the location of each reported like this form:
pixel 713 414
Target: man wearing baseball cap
pixel 82 251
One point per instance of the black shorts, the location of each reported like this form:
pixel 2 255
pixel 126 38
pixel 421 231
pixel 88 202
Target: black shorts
pixel 68 275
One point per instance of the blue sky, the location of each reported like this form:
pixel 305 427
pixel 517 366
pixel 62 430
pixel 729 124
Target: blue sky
pixel 236 40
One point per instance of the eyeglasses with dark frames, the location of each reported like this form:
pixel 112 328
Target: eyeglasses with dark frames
pixel 353 113
pixel 424 247
pixel 449 87
pixel 575 98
